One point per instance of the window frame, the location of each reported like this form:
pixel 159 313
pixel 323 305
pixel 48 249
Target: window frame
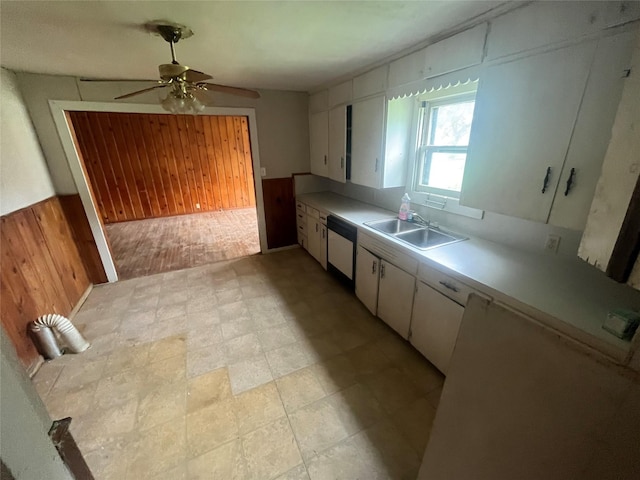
pixel 421 130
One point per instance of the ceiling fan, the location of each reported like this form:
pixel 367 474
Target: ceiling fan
pixel 187 87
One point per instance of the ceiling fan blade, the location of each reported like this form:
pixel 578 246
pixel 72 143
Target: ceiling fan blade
pixel 194 76
pixel 243 92
pixel 141 91
pixel 117 80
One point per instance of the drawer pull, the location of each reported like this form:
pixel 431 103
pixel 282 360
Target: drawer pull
pixel 545 182
pixel 570 181
pixel 382 270
pixel 449 286
pixel 373 267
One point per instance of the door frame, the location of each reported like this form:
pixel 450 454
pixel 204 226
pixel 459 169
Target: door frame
pixel 58 109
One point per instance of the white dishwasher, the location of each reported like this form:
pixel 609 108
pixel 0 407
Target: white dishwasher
pixel 341 245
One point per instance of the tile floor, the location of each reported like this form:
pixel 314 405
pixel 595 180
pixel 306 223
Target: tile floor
pixel 257 368
pixel 157 245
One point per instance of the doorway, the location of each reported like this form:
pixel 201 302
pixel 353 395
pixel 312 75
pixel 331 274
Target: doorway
pixel 171 191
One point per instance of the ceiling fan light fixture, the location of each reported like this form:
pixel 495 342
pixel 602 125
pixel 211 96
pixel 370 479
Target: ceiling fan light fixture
pixel 178 103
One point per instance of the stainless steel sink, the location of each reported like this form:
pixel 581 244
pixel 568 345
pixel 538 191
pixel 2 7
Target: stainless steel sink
pixel 414 234
pixel 393 226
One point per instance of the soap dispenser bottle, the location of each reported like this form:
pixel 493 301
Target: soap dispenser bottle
pixel 405 206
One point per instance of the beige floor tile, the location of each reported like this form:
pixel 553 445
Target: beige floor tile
pixel 299 388
pixel 317 426
pixel 249 374
pixel 119 388
pixel 368 359
pixel 357 408
pixel 167 328
pixel 109 461
pixel 233 310
pixel 270 450
pixel 207 389
pixel 237 327
pixel 267 317
pixel 225 463
pixel 415 422
pixel 77 373
pixel 205 360
pixel 202 321
pixel 297 473
pixel 167 348
pixel 204 337
pixel 203 302
pixel 343 461
pixel 258 407
pixel 348 337
pixel 393 389
pixel 158 450
pixel 102 425
pixel 70 402
pixel 335 374
pixel 167 312
pixel 128 358
pixel 242 348
pixel 46 376
pixel 210 427
pixel 276 337
pixel 161 405
pixel 287 359
pixel 321 347
pixel 229 295
pixel 165 372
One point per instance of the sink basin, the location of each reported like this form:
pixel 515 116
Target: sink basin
pixel 393 226
pixel 427 238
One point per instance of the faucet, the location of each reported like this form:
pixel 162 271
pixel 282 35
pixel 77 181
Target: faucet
pixel 421 221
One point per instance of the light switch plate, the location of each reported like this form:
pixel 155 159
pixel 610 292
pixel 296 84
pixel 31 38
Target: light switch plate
pixel 263 172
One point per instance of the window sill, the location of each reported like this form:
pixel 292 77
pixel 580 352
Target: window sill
pixel 445 204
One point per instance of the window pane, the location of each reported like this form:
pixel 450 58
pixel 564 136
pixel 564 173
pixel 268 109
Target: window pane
pixel 443 170
pixel 451 124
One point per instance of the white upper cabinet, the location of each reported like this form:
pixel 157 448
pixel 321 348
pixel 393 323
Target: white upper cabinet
pixel 370 83
pixel 398 136
pixel 338 144
pixel 546 23
pixel 454 53
pixel 319 143
pixel 407 69
pixel 366 141
pixel 592 132
pixel 524 116
pixel 341 94
pixel 319 102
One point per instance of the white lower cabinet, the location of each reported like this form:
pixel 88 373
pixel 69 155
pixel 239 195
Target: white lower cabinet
pixel 314 237
pixel 323 246
pixel 434 326
pixel 395 297
pixel 367 278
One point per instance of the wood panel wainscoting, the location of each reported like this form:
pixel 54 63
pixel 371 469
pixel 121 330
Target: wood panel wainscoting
pixel 153 165
pixel 279 211
pixel 42 269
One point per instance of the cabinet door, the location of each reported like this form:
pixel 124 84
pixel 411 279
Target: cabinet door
pixel 366 141
pixel 434 325
pixel 313 235
pixel 323 246
pixel 524 114
pixel 593 132
pixel 367 277
pixel 395 297
pixel 319 143
pixel 338 144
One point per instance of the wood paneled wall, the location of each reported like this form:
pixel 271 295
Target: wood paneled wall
pixel 149 166
pixel 41 271
pixel 279 211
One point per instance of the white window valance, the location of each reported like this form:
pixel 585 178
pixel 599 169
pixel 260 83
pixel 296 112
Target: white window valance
pixel 452 79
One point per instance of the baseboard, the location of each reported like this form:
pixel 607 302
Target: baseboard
pixel 280 249
pixel 81 301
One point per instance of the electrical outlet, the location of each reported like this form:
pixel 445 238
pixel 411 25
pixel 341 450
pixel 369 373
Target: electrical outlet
pixel 552 243
pixel 263 172
pixel 197 205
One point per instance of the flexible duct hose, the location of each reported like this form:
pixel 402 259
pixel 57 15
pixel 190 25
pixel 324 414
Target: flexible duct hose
pixel 69 334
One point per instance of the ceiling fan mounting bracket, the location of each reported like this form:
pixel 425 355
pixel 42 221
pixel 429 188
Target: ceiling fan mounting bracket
pixel 169 31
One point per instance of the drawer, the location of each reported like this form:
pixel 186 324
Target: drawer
pixel 302 228
pixel 445 284
pixel 388 252
pixel 302 240
pixel 301 206
pixel 312 212
pixel 323 218
pixel 301 217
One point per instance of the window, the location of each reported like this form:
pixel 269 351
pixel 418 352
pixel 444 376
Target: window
pixel 443 130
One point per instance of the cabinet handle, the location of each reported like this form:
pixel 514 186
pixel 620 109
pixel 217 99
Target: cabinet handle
pixel 545 182
pixel 323 233
pixel 570 181
pixel 341 162
pixel 316 228
pixel 376 165
pixel 325 159
pixel 449 286
pixel 382 270
pixel 373 267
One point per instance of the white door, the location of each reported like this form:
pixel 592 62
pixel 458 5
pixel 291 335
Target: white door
pixel 340 253
pixel 524 114
pixel 338 144
pixel 323 246
pixel 395 297
pixel 367 126
pixel 367 277
pixel 319 143
pixel 434 325
pixel 314 234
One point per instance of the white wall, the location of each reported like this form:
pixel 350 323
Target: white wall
pixel 25 446
pixel 283 132
pixel 24 178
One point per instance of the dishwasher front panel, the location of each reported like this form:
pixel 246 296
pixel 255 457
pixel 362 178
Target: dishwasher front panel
pixel 340 253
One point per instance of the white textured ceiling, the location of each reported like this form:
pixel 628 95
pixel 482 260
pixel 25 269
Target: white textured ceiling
pixel 294 45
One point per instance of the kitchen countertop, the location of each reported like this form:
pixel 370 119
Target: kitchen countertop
pixel 563 293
